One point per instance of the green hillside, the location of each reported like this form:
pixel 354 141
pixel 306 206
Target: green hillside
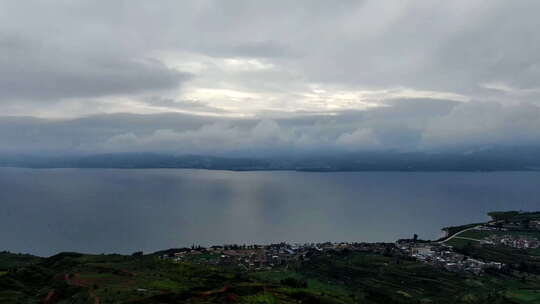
pixel 336 277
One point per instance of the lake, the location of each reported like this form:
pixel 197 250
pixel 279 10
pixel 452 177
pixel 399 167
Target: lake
pixel 45 211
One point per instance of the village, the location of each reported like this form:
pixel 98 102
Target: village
pixel 265 257
pixel 284 255
pixel 519 242
pixel 442 256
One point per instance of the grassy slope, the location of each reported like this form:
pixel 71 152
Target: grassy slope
pixel 11 260
pixel 460 243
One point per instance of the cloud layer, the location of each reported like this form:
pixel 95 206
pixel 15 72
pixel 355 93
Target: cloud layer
pixel 401 125
pixel 244 57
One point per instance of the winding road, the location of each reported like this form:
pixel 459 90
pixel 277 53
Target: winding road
pixel 456 235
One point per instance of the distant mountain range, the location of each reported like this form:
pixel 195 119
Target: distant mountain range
pixel 507 159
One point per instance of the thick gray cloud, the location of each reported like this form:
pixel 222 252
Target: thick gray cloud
pixel 308 75
pixel 35 72
pixel 87 48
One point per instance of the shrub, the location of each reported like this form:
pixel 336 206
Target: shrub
pixel 295 283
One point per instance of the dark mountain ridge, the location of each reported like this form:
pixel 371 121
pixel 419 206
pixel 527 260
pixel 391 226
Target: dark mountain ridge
pixel 493 159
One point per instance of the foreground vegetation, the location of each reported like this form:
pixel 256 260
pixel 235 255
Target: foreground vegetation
pixel 340 277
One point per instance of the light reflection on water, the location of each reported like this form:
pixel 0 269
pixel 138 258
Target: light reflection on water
pixel 108 210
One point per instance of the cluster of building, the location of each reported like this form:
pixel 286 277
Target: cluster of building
pixel 514 241
pixel 283 255
pixel 442 256
pixel 265 257
pixel 501 237
pixel 489 228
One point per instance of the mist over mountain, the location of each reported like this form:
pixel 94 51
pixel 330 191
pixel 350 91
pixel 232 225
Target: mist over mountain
pixel 501 159
pixel 419 130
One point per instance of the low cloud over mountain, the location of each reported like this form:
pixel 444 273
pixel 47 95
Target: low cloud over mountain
pixel 401 125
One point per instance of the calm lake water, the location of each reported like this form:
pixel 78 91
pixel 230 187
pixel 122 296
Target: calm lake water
pixel 108 210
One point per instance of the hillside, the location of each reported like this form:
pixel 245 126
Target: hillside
pixel 337 277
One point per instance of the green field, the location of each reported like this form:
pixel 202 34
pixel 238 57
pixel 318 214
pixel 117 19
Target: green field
pixel 460 243
pixel 524 295
pixel 477 234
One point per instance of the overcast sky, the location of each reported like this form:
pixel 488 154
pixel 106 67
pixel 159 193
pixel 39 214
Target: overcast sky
pixel 248 75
